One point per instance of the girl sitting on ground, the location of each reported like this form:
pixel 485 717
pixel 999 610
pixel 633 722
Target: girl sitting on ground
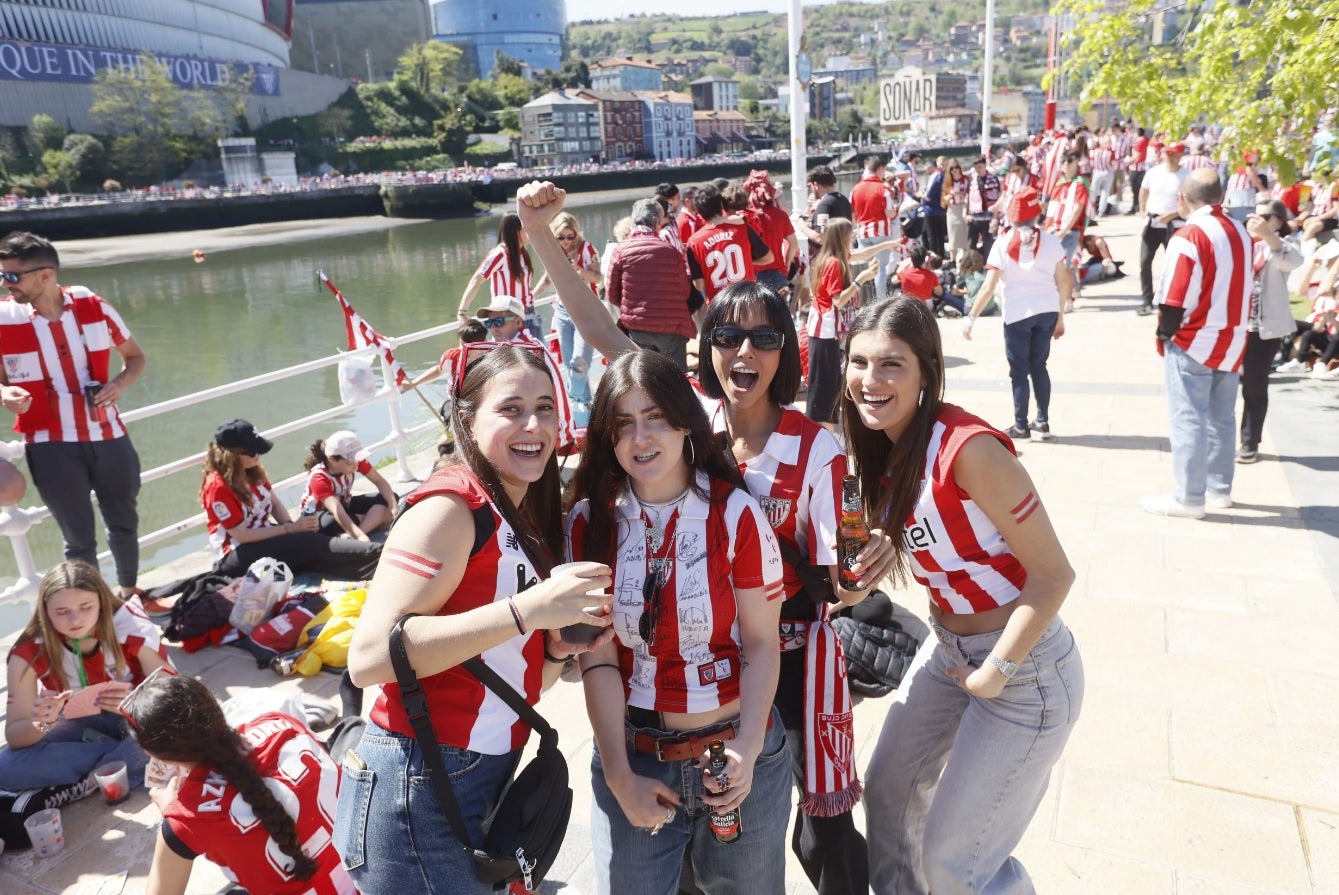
pixel 246 520
pixel 80 637
pixel 258 800
pixel 331 465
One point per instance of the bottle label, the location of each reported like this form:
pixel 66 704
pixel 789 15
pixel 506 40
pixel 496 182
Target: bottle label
pixel 725 827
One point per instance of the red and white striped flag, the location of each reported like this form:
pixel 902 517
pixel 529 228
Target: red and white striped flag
pixel 362 335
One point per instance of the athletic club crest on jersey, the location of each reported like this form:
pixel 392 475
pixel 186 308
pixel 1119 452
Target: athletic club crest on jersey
pixel 836 736
pixel 777 509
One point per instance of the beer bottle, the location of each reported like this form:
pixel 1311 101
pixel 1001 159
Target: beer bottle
pixel 853 534
pixel 725 825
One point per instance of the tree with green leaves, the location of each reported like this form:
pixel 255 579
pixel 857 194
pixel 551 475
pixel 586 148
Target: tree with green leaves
pixel 145 113
pixel 60 167
pixel 433 67
pixel 88 157
pixel 43 134
pixel 1268 70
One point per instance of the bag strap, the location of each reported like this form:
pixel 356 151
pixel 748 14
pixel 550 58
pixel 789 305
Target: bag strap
pixel 489 678
pixel 415 703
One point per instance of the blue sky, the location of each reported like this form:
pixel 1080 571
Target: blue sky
pixel 578 10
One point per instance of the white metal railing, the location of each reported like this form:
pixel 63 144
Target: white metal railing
pixel 15 522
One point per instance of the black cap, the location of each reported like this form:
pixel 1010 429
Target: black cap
pixel 240 435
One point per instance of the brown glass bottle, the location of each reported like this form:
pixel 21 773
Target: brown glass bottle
pixel 725 825
pixel 853 534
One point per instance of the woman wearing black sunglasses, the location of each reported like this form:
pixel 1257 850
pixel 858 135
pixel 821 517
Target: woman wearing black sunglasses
pixel 698 578
pixel 749 370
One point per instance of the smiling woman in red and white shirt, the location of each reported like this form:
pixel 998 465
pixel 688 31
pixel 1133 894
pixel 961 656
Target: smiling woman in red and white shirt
pixel 698 584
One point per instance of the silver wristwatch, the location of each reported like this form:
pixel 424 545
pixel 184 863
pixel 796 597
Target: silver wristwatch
pixel 1003 666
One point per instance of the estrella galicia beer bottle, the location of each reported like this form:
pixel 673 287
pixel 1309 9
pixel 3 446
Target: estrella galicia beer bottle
pixel 853 534
pixel 724 824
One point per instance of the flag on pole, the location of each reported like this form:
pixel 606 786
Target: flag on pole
pixel 361 334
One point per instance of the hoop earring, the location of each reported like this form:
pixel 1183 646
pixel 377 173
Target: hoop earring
pixel 692 451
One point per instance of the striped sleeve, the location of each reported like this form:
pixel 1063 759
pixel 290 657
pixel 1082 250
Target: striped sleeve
pixel 756 559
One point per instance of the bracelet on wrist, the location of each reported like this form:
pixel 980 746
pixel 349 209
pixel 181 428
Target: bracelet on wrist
pixel 516 616
pixel 557 660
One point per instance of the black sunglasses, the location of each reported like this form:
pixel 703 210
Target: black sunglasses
pixel 655 579
pixel 495 322
pixel 764 338
pixel 12 277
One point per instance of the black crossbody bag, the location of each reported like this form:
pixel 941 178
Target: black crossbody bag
pixel 525 831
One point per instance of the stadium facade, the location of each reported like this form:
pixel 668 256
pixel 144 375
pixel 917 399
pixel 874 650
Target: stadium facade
pixel 530 31
pixel 228 30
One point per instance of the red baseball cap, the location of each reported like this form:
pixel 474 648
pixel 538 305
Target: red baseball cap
pixel 1178 148
pixel 1024 206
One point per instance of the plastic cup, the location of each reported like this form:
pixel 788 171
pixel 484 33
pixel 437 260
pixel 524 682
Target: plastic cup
pixel 45 832
pixel 580 633
pixel 114 781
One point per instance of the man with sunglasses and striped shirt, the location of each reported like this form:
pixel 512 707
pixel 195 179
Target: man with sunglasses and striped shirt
pixel 56 343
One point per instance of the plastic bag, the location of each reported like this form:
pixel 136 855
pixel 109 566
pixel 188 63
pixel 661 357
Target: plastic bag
pixel 263 586
pixel 357 382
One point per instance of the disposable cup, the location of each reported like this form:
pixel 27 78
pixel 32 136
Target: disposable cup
pixel 114 781
pixel 580 633
pixel 44 831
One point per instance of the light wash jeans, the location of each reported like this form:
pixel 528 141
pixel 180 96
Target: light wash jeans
pixel 630 861
pixel 885 259
pixel 1201 410
pixel 1101 189
pixel 70 751
pixel 390 829
pixel 577 355
pixel 956 834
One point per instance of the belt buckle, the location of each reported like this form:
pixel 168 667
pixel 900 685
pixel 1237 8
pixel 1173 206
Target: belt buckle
pixel 672 741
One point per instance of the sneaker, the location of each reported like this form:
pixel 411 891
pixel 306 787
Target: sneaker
pixel 1042 432
pixel 1167 505
pixel 951 313
pixel 1144 310
pixel 1018 434
pixel 1318 371
pixel 1219 500
pixel 1109 268
pixel 1247 455
pixel 1292 366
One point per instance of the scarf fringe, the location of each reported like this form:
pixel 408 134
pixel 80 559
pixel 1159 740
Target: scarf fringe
pixel 832 804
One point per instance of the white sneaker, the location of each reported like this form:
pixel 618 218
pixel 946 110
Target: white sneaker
pixel 1167 505
pixel 1291 366
pixel 1219 500
pixel 1318 371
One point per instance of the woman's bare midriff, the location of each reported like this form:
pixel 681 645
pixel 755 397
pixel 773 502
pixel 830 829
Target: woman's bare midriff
pixel 976 623
pixel 694 720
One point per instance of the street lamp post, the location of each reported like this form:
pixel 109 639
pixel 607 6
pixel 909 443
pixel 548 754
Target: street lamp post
pixel 800 70
pixel 987 78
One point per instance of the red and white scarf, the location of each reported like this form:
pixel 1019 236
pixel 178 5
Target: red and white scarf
pixel 1022 245
pixel 831 785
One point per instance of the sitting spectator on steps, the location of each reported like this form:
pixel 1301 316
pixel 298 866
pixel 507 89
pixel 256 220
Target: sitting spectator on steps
pixel 332 464
pixel 246 522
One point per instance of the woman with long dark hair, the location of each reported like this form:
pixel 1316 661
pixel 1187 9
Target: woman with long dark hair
pixel 695 656
pixel 508 271
pixel 986 707
pixel 470 557
pixel 258 800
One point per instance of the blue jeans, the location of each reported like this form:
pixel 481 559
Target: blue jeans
pixel 1071 246
pixel 578 363
pixel 880 279
pixel 70 751
pixel 390 829
pixel 1027 345
pixel 630 861
pixel 956 833
pixel 1201 406
pixel 535 324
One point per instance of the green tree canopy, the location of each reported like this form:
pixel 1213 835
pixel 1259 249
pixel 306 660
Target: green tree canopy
pixel 1267 70
pixel 43 134
pixel 433 67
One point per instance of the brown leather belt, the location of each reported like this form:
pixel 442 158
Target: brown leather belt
pixel 687 746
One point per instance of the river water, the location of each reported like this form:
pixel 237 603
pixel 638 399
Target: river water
pixel 245 311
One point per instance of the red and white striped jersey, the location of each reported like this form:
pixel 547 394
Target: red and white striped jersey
pixel 688 223
pixel 1139 149
pixel 495 269
pixel 670 234
pixel 1322 197
pixel 464 712
pixel 1197 160
pixel 797 480
pixel 826 321
pixel 1103 159
pixel 1241 181
pixel 225 511
pixel 134 632
pixel 322 483
pixel 55 360
pixel 954 548
pixel 588 258
pixel 1122 150
pixel 1069 202
pixel 694 663
pixel 872 203
pixel 1052 168
pixel 1209 273
pixel 210 817
pixel 1015 182
pixel 723 255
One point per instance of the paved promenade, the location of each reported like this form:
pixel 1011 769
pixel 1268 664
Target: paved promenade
pixel 1207 757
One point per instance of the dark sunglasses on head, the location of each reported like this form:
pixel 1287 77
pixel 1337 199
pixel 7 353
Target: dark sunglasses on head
pixel 475 351
pixel 12 277
pixel 764 338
